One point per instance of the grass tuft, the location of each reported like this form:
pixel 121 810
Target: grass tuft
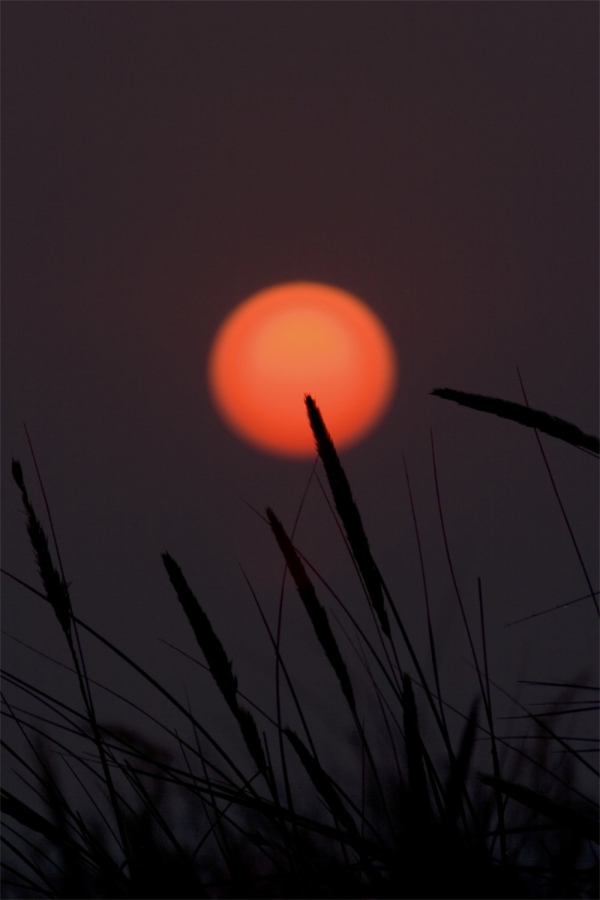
pixel 432 826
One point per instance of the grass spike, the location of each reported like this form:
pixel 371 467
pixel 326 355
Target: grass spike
pixel 315 610
pixel 532 418
pixel 212 648
pixel 57 592
pixel 348 511
pixel 218 662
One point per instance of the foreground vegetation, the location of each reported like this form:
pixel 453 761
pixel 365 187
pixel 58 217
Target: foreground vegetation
pixel 425 820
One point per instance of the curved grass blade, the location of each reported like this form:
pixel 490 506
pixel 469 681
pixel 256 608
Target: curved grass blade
pixel 323 784
pixel 320 622
pixel 532 418
pixel 562 814
pixel 57 594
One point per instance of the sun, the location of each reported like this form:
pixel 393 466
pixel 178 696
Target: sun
pixel 294 339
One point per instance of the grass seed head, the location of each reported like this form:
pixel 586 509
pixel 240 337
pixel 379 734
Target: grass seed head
pixel 220 666
pixel 57 591
pixel 348 511
pixel 316 612
pixel 524 415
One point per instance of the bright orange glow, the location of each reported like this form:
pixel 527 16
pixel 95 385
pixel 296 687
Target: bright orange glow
pixel 296 339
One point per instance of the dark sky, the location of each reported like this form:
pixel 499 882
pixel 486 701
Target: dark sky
pixel 163 161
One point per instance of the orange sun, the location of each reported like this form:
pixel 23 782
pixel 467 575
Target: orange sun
pixel 295 339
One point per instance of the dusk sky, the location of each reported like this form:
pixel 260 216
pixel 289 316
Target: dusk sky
pixel 164 161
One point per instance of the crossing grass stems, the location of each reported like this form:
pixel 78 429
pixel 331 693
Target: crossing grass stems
pixel 434 826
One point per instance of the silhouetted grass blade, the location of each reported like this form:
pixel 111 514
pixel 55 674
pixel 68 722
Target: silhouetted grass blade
pixel 57 591
pixel 220 666
pixel 12 806
pixel 348 511
pixel 427 830
pixel 581 823
pixel 315 610
pixel 532 418
pixel 417 781
pixel 457 781
pixel 323 784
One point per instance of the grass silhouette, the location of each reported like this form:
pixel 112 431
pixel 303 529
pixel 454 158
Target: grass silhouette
pixel 424 822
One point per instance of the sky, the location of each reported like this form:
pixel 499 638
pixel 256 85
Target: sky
pixel 162 162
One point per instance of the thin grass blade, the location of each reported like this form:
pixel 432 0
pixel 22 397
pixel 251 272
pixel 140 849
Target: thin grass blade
pixel 420 807
pixel 323 784
pixel 459 770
